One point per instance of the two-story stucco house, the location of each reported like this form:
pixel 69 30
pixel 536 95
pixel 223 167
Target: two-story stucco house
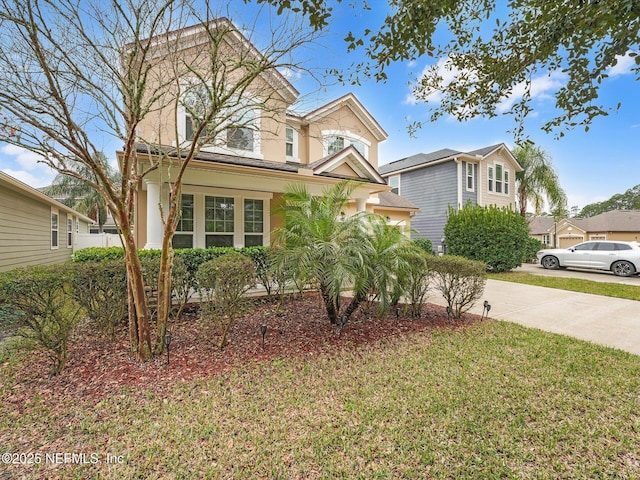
pixel 34 228
pixel 434 181
pixel 231 187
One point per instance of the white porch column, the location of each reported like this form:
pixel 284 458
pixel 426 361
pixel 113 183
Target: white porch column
pixel 154 222
pixel 361 204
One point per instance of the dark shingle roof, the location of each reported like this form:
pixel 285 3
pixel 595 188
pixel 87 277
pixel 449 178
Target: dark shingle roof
pixel 540 225
pixel 418 159
pixel 390 199
pixel 425 158
pixel 613 221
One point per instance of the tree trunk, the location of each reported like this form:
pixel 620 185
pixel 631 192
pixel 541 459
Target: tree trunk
pixel 164 292
pixel 330 305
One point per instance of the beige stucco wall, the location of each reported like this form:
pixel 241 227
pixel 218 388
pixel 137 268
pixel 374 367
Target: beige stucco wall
pixel 492 198
pixel 341 120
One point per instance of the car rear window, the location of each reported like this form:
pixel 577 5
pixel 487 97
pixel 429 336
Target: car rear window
pixel 623 246
pixel 606 246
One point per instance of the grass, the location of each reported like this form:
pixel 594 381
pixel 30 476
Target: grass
pixel 494 400
pixel 618 290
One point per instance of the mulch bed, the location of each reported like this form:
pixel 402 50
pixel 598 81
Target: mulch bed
pixel 98 366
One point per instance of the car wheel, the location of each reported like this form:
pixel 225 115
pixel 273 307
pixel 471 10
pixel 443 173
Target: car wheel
pixel 550 262
pixel 623 269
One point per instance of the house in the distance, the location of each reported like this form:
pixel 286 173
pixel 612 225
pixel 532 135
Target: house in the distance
pixel 232 186
pixel 434 181
pixel 34 228
pixel 623 225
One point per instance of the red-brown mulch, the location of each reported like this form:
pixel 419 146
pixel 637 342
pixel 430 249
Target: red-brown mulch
pixel 98 366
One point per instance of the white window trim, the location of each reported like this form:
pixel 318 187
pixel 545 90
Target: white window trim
pixel 506 175
pixel 69 232
pixel 399 182
pixel 491 181
pixel 55 212
pixel 199 193
pixel 220 140
pixel 347 136
pixel 295 157
pixel 473 177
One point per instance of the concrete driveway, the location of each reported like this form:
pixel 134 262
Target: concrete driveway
pixel 594 275
pixel 603 320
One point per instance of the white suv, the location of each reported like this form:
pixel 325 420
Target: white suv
pixel 622 258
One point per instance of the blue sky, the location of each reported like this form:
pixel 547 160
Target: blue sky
pixel 592 166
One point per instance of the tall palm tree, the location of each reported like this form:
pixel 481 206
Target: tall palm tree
pixel 79 195
pixel 538 180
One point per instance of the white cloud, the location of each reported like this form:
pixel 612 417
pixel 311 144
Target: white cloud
pixel 25 166
pixel 26 159
pixel 540 88
pixel 624 65
pixel 445 71
pixel 35 179
pixel 291 74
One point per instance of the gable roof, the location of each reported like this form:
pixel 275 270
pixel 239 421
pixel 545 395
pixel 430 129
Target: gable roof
pixel 613 221
pixel 350 101
pixel 322 167
pixel 393 200
pixel 191 36
pixel 446 154
pixel 540 225
pixel 7 181
pixel 353 158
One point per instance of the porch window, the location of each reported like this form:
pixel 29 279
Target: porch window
pixel 69 232
pixel 183 238
pixel 54 230
pixel 253 222
pixel 219 221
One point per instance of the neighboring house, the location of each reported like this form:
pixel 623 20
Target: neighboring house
pixel 434 181
pixel 621 225
pixel 543 229
pixel 35 229
pixel 230 189
pixel 109 224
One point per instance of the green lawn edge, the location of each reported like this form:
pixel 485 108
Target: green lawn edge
pixel 617 290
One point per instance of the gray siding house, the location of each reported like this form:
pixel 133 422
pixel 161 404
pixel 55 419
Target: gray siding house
pixel 35 229
pixel 434 181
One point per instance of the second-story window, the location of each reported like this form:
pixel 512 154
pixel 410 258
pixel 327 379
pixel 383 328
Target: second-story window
pixel 394 181
pixel 498 179
pixel 291 144
pixel 337 141
pixel 490 178
pixel 470 177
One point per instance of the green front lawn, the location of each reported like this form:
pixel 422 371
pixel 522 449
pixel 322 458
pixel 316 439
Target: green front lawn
pixel 492 400
pixel 617 290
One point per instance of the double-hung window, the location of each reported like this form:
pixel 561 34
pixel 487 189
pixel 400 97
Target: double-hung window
pixel 470 177
pixel 69 232
pixel 498 179
pixel 54 229
pixel 183 238
pixel 394 181
pixel 219 221
pixel 253 222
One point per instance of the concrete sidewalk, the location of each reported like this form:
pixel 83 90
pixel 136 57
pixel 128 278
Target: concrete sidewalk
pixel 603 320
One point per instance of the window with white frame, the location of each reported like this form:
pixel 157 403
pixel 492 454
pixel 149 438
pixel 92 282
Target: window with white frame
pixel 498 179
pixel 470 177
pixel 336 141
pixel 291 144
pixel 253 222
pixel 219 221
pixel 490 178
pixel 394 181
pixel 183 237
pixel 242 132
pixel 69 232
pixel 54 229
